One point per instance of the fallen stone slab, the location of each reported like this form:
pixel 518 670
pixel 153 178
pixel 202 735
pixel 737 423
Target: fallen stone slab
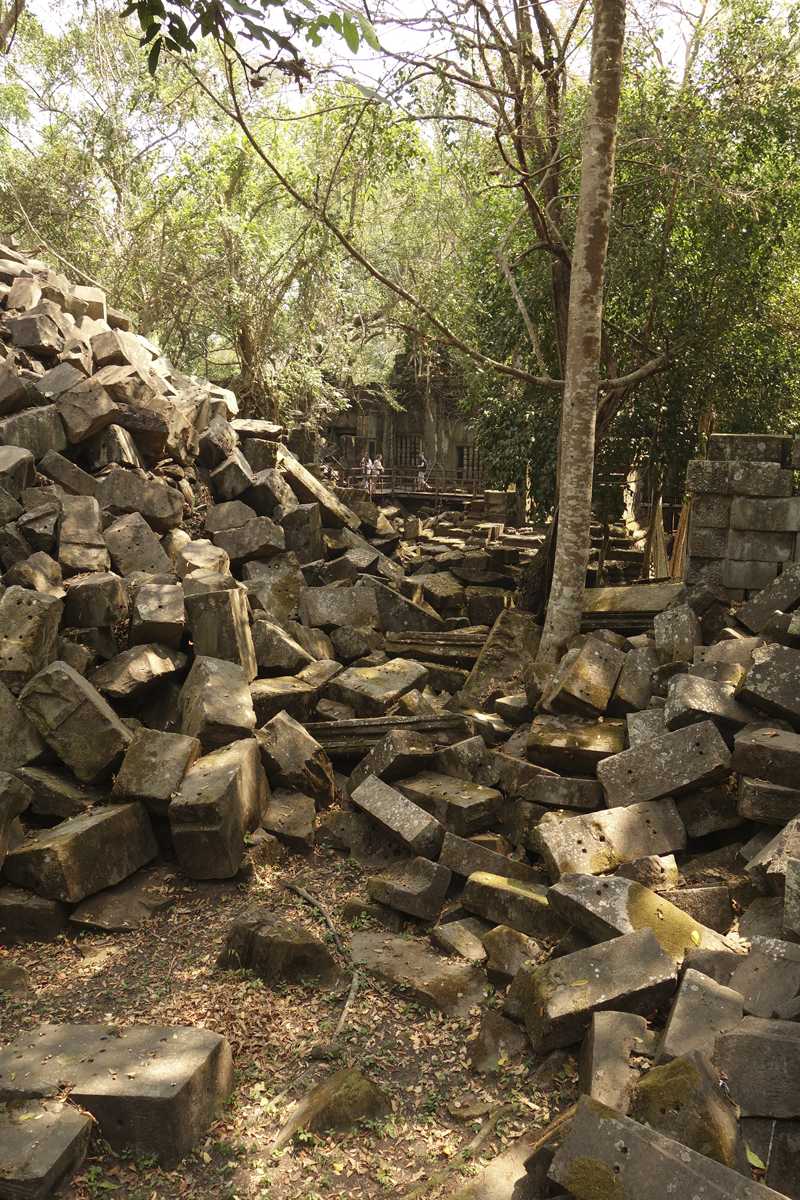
pixel 653 871
pixel 28 635
pixel 215 703
pixel 291 817
pixel 521 780
pixel 17 469
pixel 26 917
pixel 15 798
pixel 309 490
pixel 41 1147
pixel 417 888
pixel 397 614
pixel 121 492
pixel 21 743
pixel 127 905
pixel 464 857
pixel 761 1062
pixel 401 819
pixel 607 908
pixel 137 671
pixel 352 738
pixel 691 699
pixel 511 645
pixel 461 939
pixel 153 1090
pixel 220 628
pixel 76 722
pixel 606 1150
pixel 276 652
pixel 338 1103
pixel 769 977
pixel 702 1009
pixel 153 768
pixel 708 810
pixel 499 1040
pixel 277 951
pixel 572 744
pixel 634 687
pixel 394 757
pixel 586 686
pixel 84 854
pixel 781 595
pixel 767 868
pixel 677 631
pixel 628 974
pixel 463 808
pixel 507 951
pixel 257 538
pixel 293 759
pixel 439 984
pixel 287 694
pixel 769 754
pixel 777 1144
pixel 770 684
pixel 679 762
pixel 57 794
pixel 96 600
pixel 222 797
pixel 513 902
pixel 598 842
pixel 36 430
pixel 134 547
pixel 605 1070
pixel 370 691
pixel 157 615
pixel 759 800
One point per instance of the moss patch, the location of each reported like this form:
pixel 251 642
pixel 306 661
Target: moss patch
pixel 673 928
pixel 593 1179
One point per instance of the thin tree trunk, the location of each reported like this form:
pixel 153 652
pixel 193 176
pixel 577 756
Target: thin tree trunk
pixel 8 24
pixel 563 619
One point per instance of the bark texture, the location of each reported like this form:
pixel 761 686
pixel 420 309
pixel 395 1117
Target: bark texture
pixel 585 331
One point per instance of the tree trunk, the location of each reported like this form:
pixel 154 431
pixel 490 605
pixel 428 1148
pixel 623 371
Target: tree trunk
pixel 8 24
pixel 563 619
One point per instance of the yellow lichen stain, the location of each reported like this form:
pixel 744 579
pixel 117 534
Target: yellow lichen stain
pixel 675 930
pixel 593 1179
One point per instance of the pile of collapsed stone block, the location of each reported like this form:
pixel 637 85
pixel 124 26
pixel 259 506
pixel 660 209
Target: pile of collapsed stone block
pixel 745 519
pixel 207 651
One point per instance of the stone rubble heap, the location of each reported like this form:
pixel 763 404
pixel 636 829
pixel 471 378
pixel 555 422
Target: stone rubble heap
pixel 207 651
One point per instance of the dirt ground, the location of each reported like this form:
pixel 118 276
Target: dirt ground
pixel 165 974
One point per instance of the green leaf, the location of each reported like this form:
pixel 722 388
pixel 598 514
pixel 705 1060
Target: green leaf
pixel 350 33
pixel 754 1160
pixel 367 32
pixel 152 58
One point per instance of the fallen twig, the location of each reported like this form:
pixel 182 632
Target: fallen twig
pixel 351 995
pixel 326 916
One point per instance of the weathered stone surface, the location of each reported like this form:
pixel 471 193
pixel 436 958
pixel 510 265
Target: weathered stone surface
pixel 598 842
pixel 221 629
pixel 81 545
pixel 653 871
pixel 605 1070
pixel 586 686
pixel 233 476
pixel 791 900
pixel 302 529
pixel 121 492
pixel 222 797
pixel 407 823
pixel 328 608
pixel 498 1041
pixel 511 645
pixel 684 1100
pixel 769 977
pixel 677 763
pixel 293 759
pixel 134 547
pixel 465 857
pixel 26 917
pixel 701 1010
pixel 276 652
pixel 96 600
pixel 525 781
pixel 444 986
pixel 83 855
pixel 291 817
pixel 258 538
pixel 770 686
pixel 461 939
pixel 202 555
pixel 158 1090
pixel 153 768
pixel 628 974
pixel 417 888
pixel 36 430
pixel 462 808
pixel 634 687
pixel 21 742
pixel 127 905
pixel 310 490
pixel 57 794
pixel 394 757
pixel 513 902
pixel 41 1146
pixel 770 754
pixel 157 615
pixel 370 691
pixel 283 694
pixel 398 614
pixel 767 868
pixel 85 409
pixel 137 671
pixel 781 594
pixel 708 811
pixel 277 951
pixel 777 1144
pixel 608 1154
pixel 573 744
pixel 609 908
pixel 215 703
pixel 677 634
pixel 28 635
pixel 508 951
pixel 17 469
pixel 761 1062
pixel 691 700
pixel 76 722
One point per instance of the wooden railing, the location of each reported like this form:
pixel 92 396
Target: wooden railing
pixel 404 481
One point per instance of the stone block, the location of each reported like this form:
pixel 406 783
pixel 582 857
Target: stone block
pixel 691 699
pixel 759 800
pixel 21 743
pixel 121 492
pixel 57 794
pixel 463 808
pixel 679 762
pixel 76 722
pixel 708 811
pixel 773 516
pixel 634 686
pixel 85 408
pixel 677 634
pixel 41 1145
pixel 215 703
pixel 759 546
pixel 628 974
pixel 407 823
pixel 645 727
pixel 159 1088
pixel 153 768
pixel 417 888
pixel 233 476
pixel 371 691
pixel 702 1009
pixel 598 842
pixel 608 908
pixel 157 615
pixel 707 543
pixel 397 613
pixel 293 759
pixel 96 600
pixel 464 857
pixel 328 608
pixel 448 987
pixel 394 757
pixel 748 447
pixel 572 744
pixel 81 546
pixel 586 686
pixel 28 635
pixel 269 488
pixel 276 652
pixel 748 576
pixel 770 685
pixel 770 754
pixel 17 469
pixel 761 1062
pixel 310 490
pixel 512 645
pixel 516 903
pixel 781 593
pixel 302 526
pixel 222 797
pixel 291 817
pixel 277 951
pixel 134 672
pixel 258 538
pixel 220 628
pixel 769 977
pixel 135 548
pixel 605 1070
pixel 84 854
pixel 36 430
pixel 653 871
pixel 283 694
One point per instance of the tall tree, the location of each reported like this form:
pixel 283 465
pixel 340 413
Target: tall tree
pixel 584 332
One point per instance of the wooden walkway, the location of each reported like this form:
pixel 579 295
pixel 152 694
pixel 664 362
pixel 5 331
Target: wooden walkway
pixel 440 487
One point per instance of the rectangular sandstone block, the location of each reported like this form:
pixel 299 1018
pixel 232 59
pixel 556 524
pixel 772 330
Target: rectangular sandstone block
pixel 402 820
pixel 777 516
pixel 703 570
pixel 707 542
pixel 781 594
pixel 711 511
pixel 757 546
pixel 761 1062
pixel 679 762
pixel 771 686
pixel 749 447
pixel 593 843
